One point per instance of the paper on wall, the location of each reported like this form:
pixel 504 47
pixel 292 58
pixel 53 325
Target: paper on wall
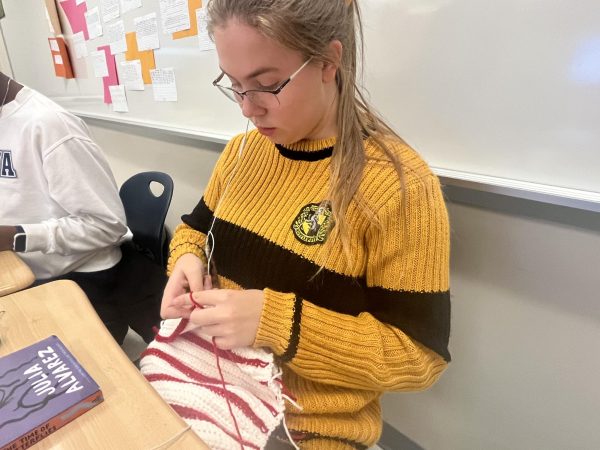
pixel 115 37
pixel 163 85
pixel 60 57
pixel 204 40
pixel 113 77
pixel 110 9
pixel 119 99
pixel 75 16
pixel 128 5
pixel 79 45
pixel 131 75
pixel 146 57
pixel 146 30
pixel 92 17
pixel 193 5
pixel 99 63
pixel 175 15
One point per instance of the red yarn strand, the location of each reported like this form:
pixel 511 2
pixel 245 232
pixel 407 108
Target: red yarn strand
pixel 216 352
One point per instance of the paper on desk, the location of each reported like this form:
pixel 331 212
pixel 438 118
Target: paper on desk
pixel 131 75
pixel 204 40
pixel 128 5
pixel 115 37
pixel 75 13
pixel 119 99
pixel 175 15
pixel 92 18
pixel 163 85
pixel 146 30
pixel 110 9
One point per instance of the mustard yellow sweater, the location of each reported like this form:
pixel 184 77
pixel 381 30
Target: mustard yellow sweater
pixel 378 322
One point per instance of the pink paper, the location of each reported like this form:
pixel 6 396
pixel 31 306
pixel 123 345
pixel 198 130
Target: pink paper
pixel 75 15
pixel 112 78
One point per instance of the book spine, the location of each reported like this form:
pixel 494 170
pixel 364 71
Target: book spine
pixel 46 429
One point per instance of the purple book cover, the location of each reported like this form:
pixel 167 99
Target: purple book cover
pixel 42 387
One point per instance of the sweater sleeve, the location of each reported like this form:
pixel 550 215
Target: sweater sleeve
pixel 190 236
pixel 389 346
pixel 94 218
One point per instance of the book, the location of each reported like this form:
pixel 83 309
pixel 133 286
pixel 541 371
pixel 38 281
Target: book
pixel 42 388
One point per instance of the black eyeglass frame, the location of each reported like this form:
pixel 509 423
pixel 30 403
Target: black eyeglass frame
pixel 226 90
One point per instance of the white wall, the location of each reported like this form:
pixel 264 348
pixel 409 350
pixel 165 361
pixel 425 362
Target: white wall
pixel 526 311
pixel 131 150
pixel 4 60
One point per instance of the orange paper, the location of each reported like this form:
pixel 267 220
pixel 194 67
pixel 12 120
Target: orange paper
pixel 60 57
pixel 146 57
pixel 193 5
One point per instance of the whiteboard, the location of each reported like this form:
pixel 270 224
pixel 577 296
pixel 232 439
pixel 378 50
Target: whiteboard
pixel 503 92
pixel 499 88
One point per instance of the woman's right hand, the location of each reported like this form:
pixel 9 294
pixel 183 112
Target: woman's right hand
pixel 187 276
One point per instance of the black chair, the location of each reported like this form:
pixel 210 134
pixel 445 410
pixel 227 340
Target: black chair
pixel 146 213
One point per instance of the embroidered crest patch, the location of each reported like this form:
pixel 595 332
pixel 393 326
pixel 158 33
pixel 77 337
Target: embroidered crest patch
pixel 311 225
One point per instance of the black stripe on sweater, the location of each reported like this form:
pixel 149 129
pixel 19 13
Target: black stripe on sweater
pixel 299 155
pixel 200 218
pixel 254 262
pixel 292 348
pixel 307 436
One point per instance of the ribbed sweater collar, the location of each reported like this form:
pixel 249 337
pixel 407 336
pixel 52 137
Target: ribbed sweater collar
pixel 308 150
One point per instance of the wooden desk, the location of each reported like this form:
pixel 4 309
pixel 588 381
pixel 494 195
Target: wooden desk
pixel 132 416
pixel 14 273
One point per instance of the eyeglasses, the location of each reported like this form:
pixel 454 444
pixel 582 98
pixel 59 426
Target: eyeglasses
pixel 265 98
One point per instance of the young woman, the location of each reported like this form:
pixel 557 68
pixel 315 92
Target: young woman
pixel 330 234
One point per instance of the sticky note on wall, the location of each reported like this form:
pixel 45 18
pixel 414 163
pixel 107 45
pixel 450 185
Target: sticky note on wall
pixel 60 57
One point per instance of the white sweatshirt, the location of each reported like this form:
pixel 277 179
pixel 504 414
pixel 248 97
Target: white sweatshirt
pixel 56 183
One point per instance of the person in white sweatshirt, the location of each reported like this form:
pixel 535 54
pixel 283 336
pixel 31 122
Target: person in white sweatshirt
pixel 60 207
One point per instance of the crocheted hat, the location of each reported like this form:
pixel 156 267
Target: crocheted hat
pixel 224 395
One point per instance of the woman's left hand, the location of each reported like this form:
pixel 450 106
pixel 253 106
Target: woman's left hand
pixel 230 316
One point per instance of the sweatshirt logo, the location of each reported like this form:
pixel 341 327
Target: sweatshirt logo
pixel 7 170
pixel 312 224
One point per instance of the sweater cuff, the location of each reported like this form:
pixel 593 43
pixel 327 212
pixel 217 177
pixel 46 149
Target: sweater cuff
pixel 186 240
pixel 37 237
pixel 279 327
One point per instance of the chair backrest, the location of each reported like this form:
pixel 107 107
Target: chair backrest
pixel 146 213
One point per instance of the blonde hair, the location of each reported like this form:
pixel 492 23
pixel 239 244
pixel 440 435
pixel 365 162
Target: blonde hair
pixel 309 26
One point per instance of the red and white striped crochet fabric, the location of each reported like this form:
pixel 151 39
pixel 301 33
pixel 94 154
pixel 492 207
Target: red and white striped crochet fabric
pixel 181 364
